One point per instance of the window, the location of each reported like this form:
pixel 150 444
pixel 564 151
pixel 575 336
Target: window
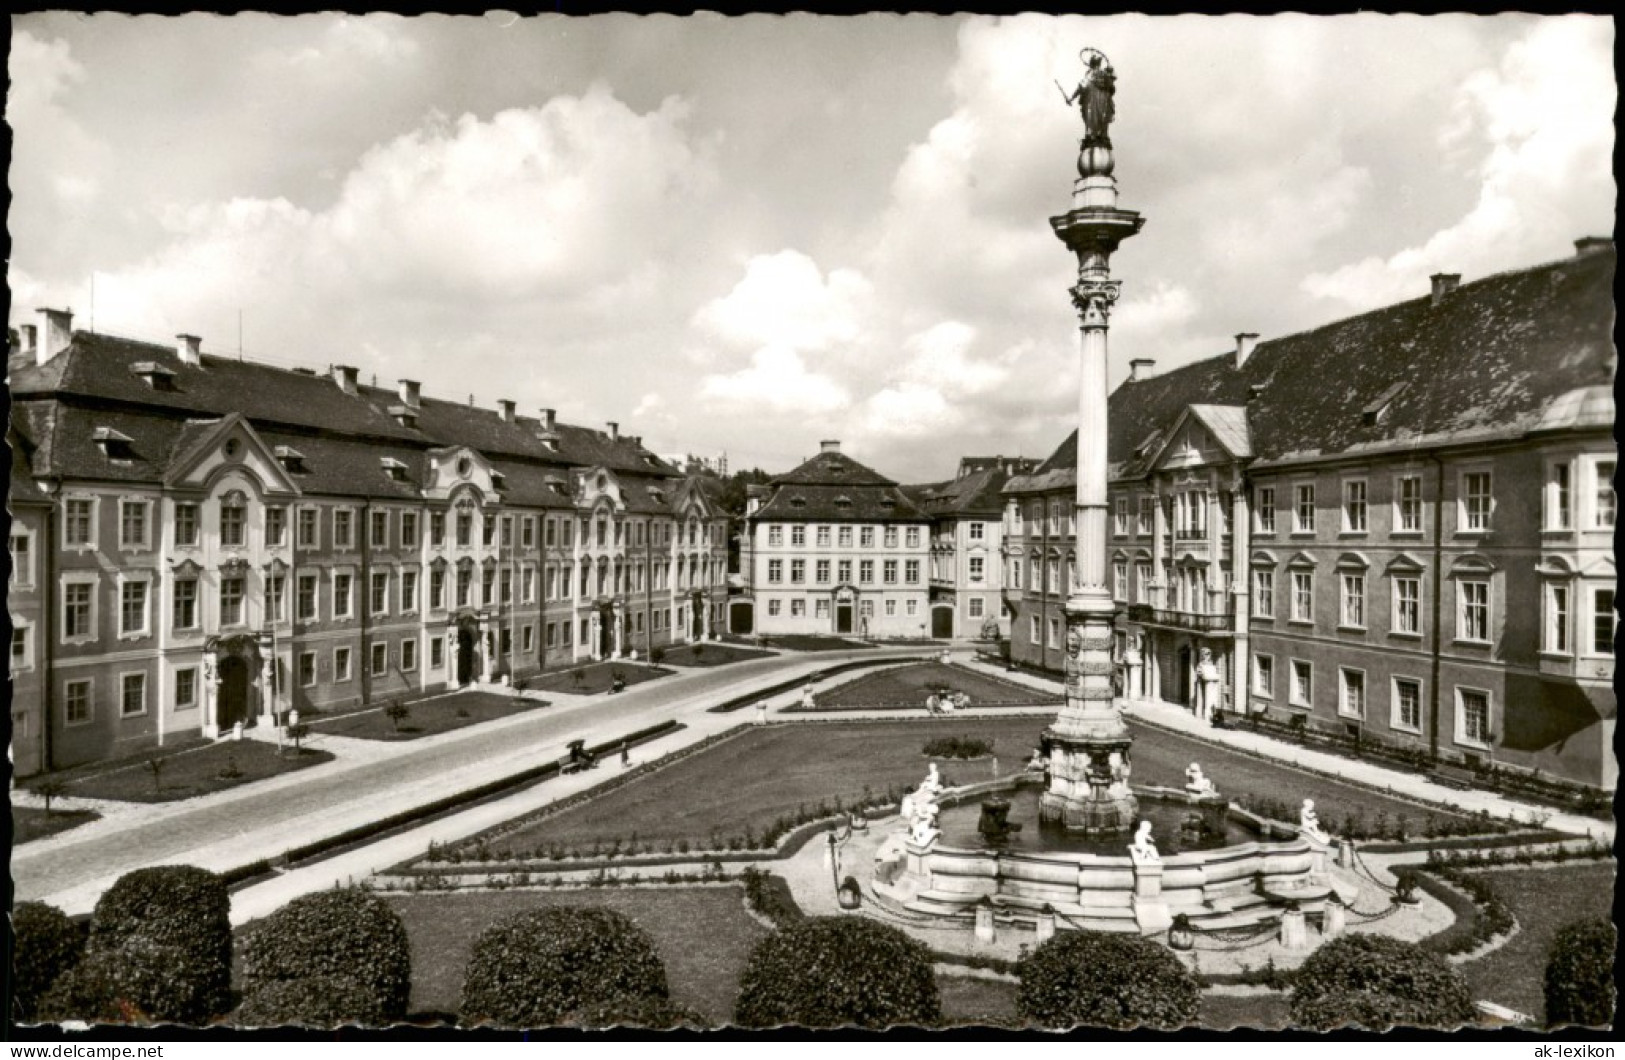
pixel 891 608
pixel 1560 497
pixel 341 664
pixel 1303 683
pixel 798 536
pixel 465 529
pixel 306 597
pixel 978 567
pixel 488 579
pixel 78 523
pixel 1472 717
pixel 1055 633
pixel 891 537
pixel 273 598
pixel 437 589
pixel 341 595
pixel 866 537
pixel 1354 600
pixel 186 523
pixel 822 536
pixel 798 571
pixel 1473 613
pixel 913 537
pixel 866 609
pixel 1602 514
pixel 231 602
pixel 380 660
pixel 276 526
pixel 912 607
pixel 437 651
pixel 132 695
pixel 1408 605
pixel 1266 509
pixel 1147 516
pixel 775 536
pixel 1264 593
pixel 1354 508
pixel 975 531
pixel 821 608
pixel 488 531
pixel 76 709
pixel 527 583
pixel 1408 504
pixel 132 531
pixel 890 572
pixel 1120 579
pixel 1303 596
pixel 380 592
pixel 798 608
pixel 380 529
pixel 1557 618
pixel 823 572
pixel 1142 583
pixel 775 571
pixel 1120 517
pixel 22 652
pixel 844 572
pixel 1303 512
pixel 866 571
pixel 844 537
pixel 342 525
pixel 773 608
pixel 409 591
pixel 186 688
pixel 1264 676
pixel 1602 621
pixel 307 527
pixel 911 572
pixel 974 607
pixel 1475 501
pixel 1351 693
pixel 78 610
pixel 527 639
pixel 1036 633
pixel 437 529
pixel 22 563
pixel 1407 712
pixel 233 518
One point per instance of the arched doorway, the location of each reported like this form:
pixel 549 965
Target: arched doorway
pixel 232 706
pixel 942 622
pixel 468 639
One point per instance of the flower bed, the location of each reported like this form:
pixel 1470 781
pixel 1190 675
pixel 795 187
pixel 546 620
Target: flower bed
pixel 907 687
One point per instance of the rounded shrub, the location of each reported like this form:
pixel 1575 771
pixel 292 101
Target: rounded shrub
pixel 1419 987
pixel 48 944
pixel 535 968
pixel 1580 975
pixel 139 982
pixel 838 971
pixel 1100 979
pixel 184 913
pixel 634 1010
pixel 323 1001
pixel 339 934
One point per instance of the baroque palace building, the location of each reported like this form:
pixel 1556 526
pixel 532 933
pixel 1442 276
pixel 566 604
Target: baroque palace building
pixel 1401 524
pixel 967 546
pixel 833 548
pixel 199 541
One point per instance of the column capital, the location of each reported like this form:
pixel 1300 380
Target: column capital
pixel 1093 299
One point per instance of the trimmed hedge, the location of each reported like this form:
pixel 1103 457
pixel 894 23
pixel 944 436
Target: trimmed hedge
pixel 537 967
pixel 837 972
pixel 160 945
pixel 1411 984
pixel 957 747
pixel 323 1001
pixel 1099 979
pixel 1580 975
pixel 48 944
pixel 634 1010
pixel 338 934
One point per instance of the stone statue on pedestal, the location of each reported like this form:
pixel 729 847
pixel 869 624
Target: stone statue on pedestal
pixel 1309 823
pixel 1207 677
pixel 1144 848
pixel 1198 783
pixel 1094 99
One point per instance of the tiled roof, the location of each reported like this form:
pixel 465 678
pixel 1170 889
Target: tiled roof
pixel 23 490
pixel 1228 423
pixel 833 469
pixel 350 467
pixel 800 502
pixel 978 493
pixel 1488 361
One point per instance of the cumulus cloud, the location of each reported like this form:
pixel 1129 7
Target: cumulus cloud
pixel 57 163
pixel 777 380
pixel 785 299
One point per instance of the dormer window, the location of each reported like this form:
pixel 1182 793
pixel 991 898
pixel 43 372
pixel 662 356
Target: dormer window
pixel 843 501
pixel 888 502
pixel 154 375
pixel 1377 411
pixel 291 459
pixel 549 441
pixel 393 468
pixel 499 481
pixel 404 415
pixel 651 461
pixel 114 446
pixel 798 502
pixel 558 488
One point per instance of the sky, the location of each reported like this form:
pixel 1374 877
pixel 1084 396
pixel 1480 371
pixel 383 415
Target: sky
pixel 747 235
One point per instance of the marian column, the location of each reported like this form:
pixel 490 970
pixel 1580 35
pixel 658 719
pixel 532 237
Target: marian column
pixel 1087 780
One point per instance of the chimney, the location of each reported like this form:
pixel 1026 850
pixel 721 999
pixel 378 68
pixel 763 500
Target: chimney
pixel 344 375
pixel 55 334
pixel 1443 284
pixel 614 431
pixel 507 410
pixel 1589 245
pixel 29 334
pixel 189 348
pixel 829 446
pixel 1140 368
pixel 1244 346
pixel 411 393
pixel 547 421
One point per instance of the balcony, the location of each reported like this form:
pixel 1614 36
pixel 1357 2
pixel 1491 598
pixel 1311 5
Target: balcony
pixel 1146 615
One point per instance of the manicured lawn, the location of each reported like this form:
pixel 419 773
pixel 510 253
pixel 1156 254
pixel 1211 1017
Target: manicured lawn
pixel 711 655
pixel 1221 1012
pixel 1543 900
pixel 906 688
pixel 201 771
pixel 703 933
pixel 810 643
pixel 595 677
pixel 32 822
pixel 427 717
pixel 978 1002
pixel 753 779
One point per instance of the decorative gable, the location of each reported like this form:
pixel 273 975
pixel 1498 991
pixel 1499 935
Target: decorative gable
pixel 230 445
